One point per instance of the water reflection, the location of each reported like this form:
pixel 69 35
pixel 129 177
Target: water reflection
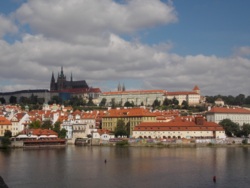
pixel 126 167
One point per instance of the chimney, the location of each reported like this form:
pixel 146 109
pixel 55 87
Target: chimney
pixel 199 120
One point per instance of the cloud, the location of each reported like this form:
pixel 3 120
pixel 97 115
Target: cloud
pixel 76 20
pixel 85 37
pixel 242 51
pixel 6 26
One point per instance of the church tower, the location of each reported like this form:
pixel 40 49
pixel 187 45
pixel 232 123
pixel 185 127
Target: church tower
pixel 61 80
pixel 52 83
pixel 196 89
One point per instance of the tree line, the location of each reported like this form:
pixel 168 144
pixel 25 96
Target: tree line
pixel 233 129
pixel 239 100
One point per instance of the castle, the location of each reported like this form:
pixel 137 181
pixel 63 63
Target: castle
pixel 63 85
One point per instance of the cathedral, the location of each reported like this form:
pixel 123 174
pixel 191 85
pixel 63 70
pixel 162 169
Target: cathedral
pixel 63 85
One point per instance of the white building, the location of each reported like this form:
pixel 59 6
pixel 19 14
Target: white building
pixel 219 102
pixel 177 129
pixel 191 97
pixel 19 121
pixel 138 97
pixel 237 115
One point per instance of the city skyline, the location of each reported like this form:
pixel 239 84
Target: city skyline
pixel 145 44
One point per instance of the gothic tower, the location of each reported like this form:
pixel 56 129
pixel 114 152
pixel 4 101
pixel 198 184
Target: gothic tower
pixel 52 83
pixel 61 80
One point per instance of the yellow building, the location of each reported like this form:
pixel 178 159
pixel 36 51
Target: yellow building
pixel 5 125
pixel 131 117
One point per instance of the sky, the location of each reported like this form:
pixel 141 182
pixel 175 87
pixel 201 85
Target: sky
pixel 143 44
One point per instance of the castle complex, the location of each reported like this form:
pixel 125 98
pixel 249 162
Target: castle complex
pixel 65 89
pixel 62 84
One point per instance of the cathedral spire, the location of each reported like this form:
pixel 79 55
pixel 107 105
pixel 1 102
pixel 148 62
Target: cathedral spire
pixel 61 70
pixel 52 77
pixel 52 82
pixel 71 78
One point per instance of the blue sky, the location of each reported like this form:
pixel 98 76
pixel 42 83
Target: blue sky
pixel 146 44
pixel 213 27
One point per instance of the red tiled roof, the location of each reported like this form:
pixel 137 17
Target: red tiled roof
pixel 131 112
pixel 177 126
pixel 229 110
pixel 182 93
pixel 196 88
pixel 103 131
pixel 134 92
pixel 4 121
pixel 39 132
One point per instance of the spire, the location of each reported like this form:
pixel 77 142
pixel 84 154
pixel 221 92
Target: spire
pixel 71 78
pixel 61 70
pixel 52 77
pixel 52 82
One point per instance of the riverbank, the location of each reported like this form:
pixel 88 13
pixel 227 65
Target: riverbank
pixel 129 142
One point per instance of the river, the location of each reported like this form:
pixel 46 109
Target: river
pixel 128 167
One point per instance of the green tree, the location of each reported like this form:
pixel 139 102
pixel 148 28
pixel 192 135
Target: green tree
pixel 56 127
pixel 184 104
pixel 129 104
pixel 121 129
pixel 7 134
pixel 245 129
pixel 13 100
pixel 103 102
pixel 240 99
pixel 35 124
pixel 231 128
pixel 156 103
pixel 55 99
pixel 47 125
pixel 247 101
pixel 90 102
pixel 167 102
pixel 175 101
pixel 62 133
pixel 6 139
pixel 113 104
pixel 33 99
pixel 2 100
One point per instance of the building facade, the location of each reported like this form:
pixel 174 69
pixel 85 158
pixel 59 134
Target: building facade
pixel 5 125
pixel 131 117
pixel 184 128
pixel 137 97
pixel 237 115
pixel 63 84
pixel 191 97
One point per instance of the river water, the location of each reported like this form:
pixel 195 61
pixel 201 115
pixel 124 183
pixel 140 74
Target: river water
pixel 74 167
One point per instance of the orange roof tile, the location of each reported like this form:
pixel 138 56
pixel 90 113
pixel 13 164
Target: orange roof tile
pixel 39 132
pixel 4 121
pixel 177 126
pixel 134 92
pixel 228 110
pixel 130 112
pixel 182 93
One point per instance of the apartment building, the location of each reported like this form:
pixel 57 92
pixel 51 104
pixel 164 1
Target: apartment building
pixel 131 117
pixel 235 114
pixel 179 128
